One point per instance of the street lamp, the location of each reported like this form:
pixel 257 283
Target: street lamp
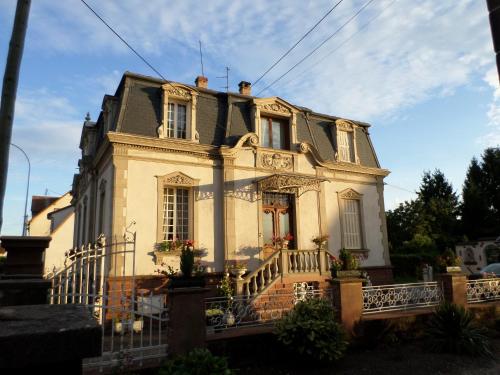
pixel 25 219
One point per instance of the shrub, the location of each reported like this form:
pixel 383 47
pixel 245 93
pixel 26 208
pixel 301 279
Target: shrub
pixel 311 331
pixel 410 265
pixel 187 262
pixel 196 362
pixel 451 330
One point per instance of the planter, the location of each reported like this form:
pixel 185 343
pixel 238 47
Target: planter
pixel 123 326
pixel 137 326
pixel 238 272
pixel 186 282
pixel 342 274
pixel 452 269
pixel 284 244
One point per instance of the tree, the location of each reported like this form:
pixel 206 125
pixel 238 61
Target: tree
pixel 480 209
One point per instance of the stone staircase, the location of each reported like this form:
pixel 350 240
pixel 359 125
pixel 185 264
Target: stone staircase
pixel 282 269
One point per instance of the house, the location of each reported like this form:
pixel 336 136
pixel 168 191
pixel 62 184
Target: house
pixel 478 254
pixel 54 217
pixel 232 172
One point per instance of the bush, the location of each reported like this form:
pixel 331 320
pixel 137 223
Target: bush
pixel 410 265
pixel 451 330
pixel 197 362
pixel 187 262
pixel 311 331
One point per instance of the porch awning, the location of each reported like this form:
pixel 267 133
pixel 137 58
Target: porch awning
pixel 290 183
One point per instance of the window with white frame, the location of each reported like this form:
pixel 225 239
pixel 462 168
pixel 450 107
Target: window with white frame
pixel 175 224
pixel 346 146
pixel 352 224
pixel 176 120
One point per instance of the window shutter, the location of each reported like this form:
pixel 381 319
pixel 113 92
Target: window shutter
pixel 352 227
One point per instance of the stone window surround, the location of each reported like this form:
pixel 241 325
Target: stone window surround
pixel 275 108
pixel 354 195
pixel 180 94
pixel 347 126
pixel 177 180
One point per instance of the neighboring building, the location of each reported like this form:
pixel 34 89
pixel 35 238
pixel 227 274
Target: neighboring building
pixel 229 171
pixel 478 254
pixel 54 217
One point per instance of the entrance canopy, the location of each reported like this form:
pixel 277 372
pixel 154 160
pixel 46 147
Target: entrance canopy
pixel 290 183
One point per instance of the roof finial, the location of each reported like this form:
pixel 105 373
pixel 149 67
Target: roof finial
pixel 87 118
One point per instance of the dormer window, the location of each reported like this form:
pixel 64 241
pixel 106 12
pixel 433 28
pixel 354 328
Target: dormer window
pixel 346 141
pixel 179 112
pixel 176 123
pixel 274 133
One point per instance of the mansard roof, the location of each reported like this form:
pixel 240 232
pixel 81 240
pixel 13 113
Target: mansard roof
pixel 223 118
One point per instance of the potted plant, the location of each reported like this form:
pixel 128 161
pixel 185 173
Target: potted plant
pixel 449 261
pixel 226 289
pixel 138 325
pixel 335 265
pixel 350 265
pixel 286 240
pixel 187 268
pixel 239 269
pixel 122 323
pixel 320 241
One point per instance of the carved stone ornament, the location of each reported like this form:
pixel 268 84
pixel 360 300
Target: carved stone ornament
pixel 178 178
pixel 253 140
pixel 289 183
pixel 303 148
pixel 350 194
pixel 345 125
pixel 277 162
pixel 276 107
pixel 178 92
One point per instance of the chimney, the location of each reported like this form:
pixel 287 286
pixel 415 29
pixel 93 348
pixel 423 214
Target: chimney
pixel 201 81
pixel 245 88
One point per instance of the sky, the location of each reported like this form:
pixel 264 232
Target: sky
pixel 421 73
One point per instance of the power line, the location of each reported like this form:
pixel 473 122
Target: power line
pixel 364 26
pixel 318 47
pixel 400 188
pixel 123 40
pixel 295 45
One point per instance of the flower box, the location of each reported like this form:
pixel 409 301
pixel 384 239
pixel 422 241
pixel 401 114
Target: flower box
pixel 451 269
pixel 347 274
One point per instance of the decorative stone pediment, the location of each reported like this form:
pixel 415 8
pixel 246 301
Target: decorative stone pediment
pixel 177 179
pixel 178 91
pixel 290 183
pixel 345 125
pixel 275 106
pixel 276 161
pixel 350 194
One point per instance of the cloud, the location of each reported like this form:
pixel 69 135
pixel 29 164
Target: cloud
pixel 492 138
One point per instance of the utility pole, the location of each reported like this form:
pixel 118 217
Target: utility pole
pixel 9 90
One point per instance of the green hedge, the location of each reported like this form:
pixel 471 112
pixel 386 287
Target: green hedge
pixel 410 265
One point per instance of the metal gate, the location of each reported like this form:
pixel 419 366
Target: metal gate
pixel 102 277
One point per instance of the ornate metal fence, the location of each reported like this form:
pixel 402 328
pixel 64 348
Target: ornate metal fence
pixel 102 276
pixel 241 311
pixel 483 290
pixel 401 297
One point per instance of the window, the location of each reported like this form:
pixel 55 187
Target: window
pixel 176 121
pixel 351 219
pixel 274 133
pixel 175 223
pixel 352 227
pixel 177 209
pixel 346 146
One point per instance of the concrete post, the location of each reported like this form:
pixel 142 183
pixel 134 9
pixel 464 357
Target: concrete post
pixel 187 326
pixel 348 300
pixel 25 256
pixel 454 287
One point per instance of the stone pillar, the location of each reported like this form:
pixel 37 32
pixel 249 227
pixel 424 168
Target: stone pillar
pixel 348 300
pixel 187 326
pixel 25 256
pixel 454 287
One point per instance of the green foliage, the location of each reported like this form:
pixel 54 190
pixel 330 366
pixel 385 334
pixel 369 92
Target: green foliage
pixel 451 330
pixel 480 209
pixel 410 265
pixel 197 362
pixel 349 262
pixel 447 259
pixel 311 331
pixel 187 262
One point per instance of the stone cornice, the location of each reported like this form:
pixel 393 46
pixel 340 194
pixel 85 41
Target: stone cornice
pixel 168 145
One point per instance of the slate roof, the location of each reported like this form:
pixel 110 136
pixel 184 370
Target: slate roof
pixel 222 118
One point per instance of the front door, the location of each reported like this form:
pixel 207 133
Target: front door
pixel 278 220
